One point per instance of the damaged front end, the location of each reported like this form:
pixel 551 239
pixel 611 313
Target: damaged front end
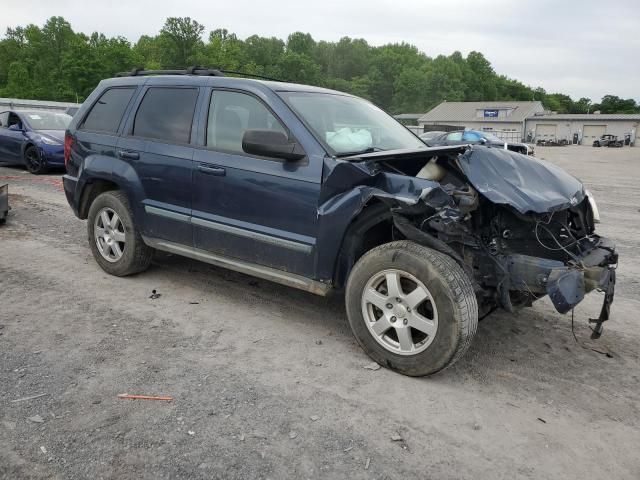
pixel 521 228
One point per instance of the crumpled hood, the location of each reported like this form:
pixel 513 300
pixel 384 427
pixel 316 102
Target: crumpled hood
pixel 525 183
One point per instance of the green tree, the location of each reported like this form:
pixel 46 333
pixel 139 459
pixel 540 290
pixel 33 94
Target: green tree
pixel 615 104
pixel 55 63
pixel 180 38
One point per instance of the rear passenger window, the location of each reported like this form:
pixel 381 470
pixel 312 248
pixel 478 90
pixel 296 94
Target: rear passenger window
pixel 166 114
pixel 230 114
pixel 107 112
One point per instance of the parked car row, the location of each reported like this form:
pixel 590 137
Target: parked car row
pixel 474 137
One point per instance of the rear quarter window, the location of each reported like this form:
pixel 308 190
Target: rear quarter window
pixel 166 113
pixel 107 112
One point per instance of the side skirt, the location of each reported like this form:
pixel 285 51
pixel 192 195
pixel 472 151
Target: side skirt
pixel 266 273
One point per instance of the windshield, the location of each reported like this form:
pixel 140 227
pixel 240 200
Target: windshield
pixel 491 137
pixel 350 125
pixel 47 120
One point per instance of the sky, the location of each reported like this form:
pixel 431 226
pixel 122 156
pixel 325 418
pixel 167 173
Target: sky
pixel 586 48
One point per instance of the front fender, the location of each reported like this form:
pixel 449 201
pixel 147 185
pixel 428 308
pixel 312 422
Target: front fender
pixel 348 187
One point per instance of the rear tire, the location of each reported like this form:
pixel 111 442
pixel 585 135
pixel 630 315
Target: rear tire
pixel 34 161
pixel 419 337
pixel 115 241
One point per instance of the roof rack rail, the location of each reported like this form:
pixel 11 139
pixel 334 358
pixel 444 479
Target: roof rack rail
pixel 194 70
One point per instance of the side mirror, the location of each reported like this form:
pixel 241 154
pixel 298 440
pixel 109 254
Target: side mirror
pixel 271 143
pixel 16 127
pixel 483 140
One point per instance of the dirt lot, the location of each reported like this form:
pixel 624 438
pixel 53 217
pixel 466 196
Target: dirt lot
pixel 269 383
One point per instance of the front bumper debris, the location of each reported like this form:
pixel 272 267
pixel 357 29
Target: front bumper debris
pixel 567 284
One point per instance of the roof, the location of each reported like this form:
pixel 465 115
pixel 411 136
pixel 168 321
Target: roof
pixel 202 80
pixel 408 116
pixel 588 116
pixel 467 111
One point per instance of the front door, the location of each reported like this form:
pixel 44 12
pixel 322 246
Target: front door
pixel 261 210
pixel 11 140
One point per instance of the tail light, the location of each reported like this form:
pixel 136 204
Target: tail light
pixel 68 143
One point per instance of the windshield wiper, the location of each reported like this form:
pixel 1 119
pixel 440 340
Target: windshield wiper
pixel 360 152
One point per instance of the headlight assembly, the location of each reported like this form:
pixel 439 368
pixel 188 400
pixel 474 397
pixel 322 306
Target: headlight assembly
pixel 593 206
pixel 50 141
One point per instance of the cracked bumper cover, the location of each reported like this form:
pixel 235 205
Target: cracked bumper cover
pixel 567 284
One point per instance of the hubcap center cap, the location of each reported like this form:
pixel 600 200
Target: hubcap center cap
pixel 400 310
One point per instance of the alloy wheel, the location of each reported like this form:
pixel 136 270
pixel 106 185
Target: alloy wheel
pixel 34 160
pixel 109 234
pixel 399 312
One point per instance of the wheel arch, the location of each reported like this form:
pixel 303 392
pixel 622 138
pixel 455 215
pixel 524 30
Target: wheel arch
pixel 99 174
pixel 370 228
pixel 25 147
pixel 92 188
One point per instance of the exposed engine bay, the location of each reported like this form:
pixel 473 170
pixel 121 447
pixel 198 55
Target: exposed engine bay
pixel 520 227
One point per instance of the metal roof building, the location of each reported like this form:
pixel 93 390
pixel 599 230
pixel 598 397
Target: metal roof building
pixel 505 119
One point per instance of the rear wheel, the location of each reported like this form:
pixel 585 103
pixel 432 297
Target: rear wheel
pixel 115 241
pixel 34 161
pixel 412 309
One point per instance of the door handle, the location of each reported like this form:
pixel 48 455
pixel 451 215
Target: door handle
pixel 217 171
pixel 128 154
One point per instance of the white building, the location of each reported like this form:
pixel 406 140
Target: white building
pixel 583 129
pixel 528 121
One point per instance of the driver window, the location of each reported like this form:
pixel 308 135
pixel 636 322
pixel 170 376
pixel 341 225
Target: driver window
pixel 4 119
pixel 14 120
pixel 454 137
pixel 231 114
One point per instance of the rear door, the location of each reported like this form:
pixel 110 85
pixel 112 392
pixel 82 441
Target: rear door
pixel 157 145
pixel 262 210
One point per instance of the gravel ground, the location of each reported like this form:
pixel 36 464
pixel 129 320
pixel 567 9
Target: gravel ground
pixel 269 383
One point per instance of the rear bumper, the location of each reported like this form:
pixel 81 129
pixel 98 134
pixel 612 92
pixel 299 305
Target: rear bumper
pixel 71 192
pixel 567 284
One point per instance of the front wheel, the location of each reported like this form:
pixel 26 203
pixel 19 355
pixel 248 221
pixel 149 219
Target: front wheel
pixel 411 309
pixel 115 241
pixel 34 161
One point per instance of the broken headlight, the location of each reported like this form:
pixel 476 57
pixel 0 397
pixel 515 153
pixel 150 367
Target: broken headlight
pixel 593 206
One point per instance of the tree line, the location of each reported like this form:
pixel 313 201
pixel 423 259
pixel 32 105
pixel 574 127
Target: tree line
pixel 53 62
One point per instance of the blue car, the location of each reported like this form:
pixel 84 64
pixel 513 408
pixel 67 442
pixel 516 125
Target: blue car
pixel 33 138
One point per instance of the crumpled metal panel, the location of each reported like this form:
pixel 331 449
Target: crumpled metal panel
pixel 523 182
pixel 343 178
pixel 348 186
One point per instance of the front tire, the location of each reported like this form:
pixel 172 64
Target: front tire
pixel 34 161
pixel 115 241
pixel 411 309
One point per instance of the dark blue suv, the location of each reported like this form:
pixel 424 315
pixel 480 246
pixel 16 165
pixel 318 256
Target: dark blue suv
pixel 321 191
